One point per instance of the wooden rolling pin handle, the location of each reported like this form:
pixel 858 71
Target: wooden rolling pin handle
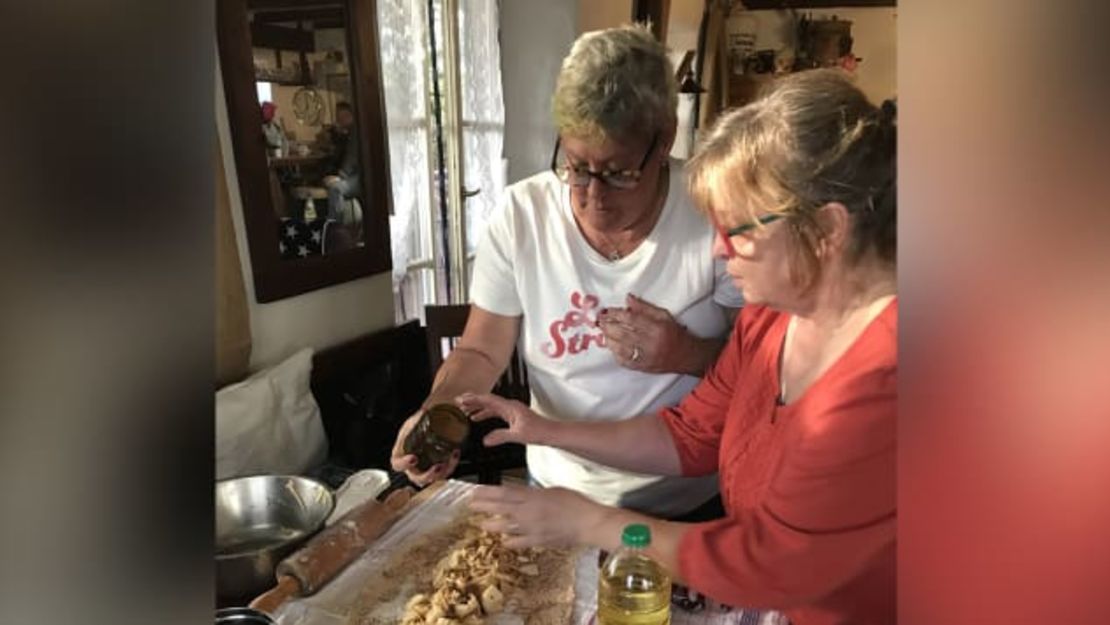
pixel 330 551
pixel 269 601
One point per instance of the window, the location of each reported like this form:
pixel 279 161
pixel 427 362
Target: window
pixel 446 122
pixel 265 92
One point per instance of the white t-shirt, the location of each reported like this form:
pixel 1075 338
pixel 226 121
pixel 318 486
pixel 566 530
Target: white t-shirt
pixel 534 261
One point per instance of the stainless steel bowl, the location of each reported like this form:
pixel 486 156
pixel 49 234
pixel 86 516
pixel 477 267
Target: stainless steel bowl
pixel 259 521
pixel 242 616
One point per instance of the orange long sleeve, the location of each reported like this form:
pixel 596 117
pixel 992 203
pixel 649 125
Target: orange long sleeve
pixel 809 487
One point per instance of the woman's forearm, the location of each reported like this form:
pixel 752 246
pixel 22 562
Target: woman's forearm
pixel 604 531
pixel 464 371
pixel 642 444
pixel 479 357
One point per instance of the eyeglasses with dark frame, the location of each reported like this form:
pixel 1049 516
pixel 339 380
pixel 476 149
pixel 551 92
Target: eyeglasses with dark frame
pixel 580 177
pixel 727 233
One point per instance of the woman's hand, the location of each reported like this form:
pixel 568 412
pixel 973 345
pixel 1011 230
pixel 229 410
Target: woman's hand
pixel 537 517
pixel 400 461
pixel 646 337
pixel 525 426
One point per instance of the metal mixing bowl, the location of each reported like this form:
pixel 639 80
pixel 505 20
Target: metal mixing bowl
pixel 259 521
pixel 242 616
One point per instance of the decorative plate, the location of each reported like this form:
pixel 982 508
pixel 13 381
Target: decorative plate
pixel 308 105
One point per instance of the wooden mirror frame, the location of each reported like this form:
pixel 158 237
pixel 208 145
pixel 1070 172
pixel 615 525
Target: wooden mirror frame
pixel 275 278
pixel 753 5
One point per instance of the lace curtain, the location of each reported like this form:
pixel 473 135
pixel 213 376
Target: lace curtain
pixel 483 112
pixel 406 74
pixel 402 32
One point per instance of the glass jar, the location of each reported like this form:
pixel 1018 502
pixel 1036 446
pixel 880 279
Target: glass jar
pixel 441 430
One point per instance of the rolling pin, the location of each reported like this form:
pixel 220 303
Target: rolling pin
pixel 306 571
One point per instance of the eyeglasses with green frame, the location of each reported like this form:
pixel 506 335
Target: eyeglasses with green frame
pixel 727 233
pixel 624 179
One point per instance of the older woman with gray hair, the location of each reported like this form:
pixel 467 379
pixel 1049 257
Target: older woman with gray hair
pixel 600 271
pixel 798 414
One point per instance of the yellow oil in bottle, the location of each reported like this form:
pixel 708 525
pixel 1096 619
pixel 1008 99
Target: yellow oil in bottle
pixel 632 588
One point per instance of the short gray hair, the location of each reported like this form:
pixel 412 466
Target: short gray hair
pixel 615 83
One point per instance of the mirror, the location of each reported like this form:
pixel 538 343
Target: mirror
pixel 303 90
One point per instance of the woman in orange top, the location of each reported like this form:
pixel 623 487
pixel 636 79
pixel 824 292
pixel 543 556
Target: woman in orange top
pixel 798 414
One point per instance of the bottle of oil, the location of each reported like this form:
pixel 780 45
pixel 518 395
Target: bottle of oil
pixel 632 588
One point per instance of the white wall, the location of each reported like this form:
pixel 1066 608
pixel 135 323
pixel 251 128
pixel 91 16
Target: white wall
pixel 682 26
pixel 535 36
pixel 598 14
pixel 317 319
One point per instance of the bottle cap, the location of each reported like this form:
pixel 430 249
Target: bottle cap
pixel 636 535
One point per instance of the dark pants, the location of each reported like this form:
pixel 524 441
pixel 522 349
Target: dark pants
pixel 709 511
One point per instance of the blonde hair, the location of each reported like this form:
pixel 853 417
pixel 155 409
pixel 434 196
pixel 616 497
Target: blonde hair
pixel 811 139
pixel 616 83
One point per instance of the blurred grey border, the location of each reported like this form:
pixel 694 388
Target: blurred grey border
pixel 106 275
pixel 107 264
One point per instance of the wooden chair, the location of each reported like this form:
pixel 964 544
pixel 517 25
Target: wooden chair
pixel 366 388
pixel 443 327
